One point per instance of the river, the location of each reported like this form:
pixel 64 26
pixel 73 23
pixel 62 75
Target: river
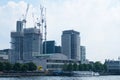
pixel 62 78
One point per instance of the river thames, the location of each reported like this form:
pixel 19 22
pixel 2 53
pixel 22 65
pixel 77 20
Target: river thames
pixel 62 78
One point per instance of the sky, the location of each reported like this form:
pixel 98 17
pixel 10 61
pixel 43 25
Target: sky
pixel 98 22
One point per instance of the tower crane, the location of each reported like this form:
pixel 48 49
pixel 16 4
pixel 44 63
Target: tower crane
pixel 45 34
pixel 44 26
pixel 25 15
pixel 34 20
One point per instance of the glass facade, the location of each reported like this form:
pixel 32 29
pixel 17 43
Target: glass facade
pixel 71 44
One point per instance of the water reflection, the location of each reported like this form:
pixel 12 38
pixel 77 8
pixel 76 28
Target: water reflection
pixel 62 78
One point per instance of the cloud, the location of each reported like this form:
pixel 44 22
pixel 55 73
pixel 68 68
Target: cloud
pixel 9 13
pixel 97 20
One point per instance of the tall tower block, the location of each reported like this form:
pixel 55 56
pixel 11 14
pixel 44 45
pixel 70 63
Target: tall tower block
pixel 71 44
pixel 32 43
pixel 17 43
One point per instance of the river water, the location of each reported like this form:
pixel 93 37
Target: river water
pixel 62 78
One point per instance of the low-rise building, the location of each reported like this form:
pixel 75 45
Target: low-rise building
pixel 52 62
pixel 113 66
pixel 4 55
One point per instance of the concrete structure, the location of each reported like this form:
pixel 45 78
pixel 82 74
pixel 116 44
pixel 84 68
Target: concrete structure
pixel 17 43
pixel 71 44
pixel 113 66
pixel 19 26
pixel 25 43
pixel 82 54
pixel 32 43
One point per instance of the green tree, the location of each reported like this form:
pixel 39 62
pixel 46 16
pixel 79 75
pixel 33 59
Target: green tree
pixel 85 67
pixel 17 67
pixel 64 67
pixel 105 67
pixel 24 67
pixel 98 66
pixel 31 66
pixel 69 67
pixel 7 66
pixel 80 67
pixel 1 66
pixel 75 67
pixel 90 67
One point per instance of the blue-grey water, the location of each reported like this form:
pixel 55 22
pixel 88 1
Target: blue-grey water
pixel 62 78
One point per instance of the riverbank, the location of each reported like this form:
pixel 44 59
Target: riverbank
pixel 19 74
pixel 42 73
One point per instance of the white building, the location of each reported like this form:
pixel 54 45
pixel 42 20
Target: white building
pixel 53 61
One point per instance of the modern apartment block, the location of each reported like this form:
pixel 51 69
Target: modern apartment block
pixel 82 54
pixel 71 44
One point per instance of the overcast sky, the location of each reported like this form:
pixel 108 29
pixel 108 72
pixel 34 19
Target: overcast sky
pixel 98 22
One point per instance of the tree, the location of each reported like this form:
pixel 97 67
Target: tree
pixel 64 67
pixel 24 67
pixel 105 67
pixel 7 66
pixel 90 67
pixel 80 67
pixel 98 66
pixel 17 67
pixel 84 67
pixel 1 66
pixel 75 67
pixel 31 66
pixel 69 67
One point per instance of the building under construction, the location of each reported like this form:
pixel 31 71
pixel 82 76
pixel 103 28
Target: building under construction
pixel 26 43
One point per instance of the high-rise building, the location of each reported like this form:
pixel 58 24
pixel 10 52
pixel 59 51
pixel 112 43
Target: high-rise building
pixel 82 54
pixel 32 43
pixel 57 49
pixel 49 46
pixel 25 43
pixel 17 42
pixel 71 44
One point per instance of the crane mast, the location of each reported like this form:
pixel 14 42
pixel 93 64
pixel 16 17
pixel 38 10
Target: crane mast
pixel 25 15
pixel 45 34
pixel 43 26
